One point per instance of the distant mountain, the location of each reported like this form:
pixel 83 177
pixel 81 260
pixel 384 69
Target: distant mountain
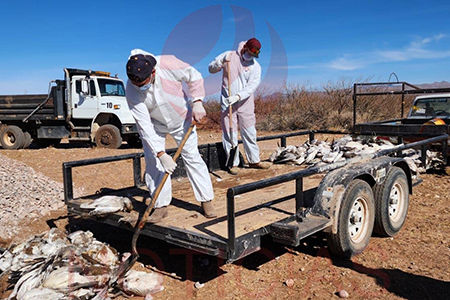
pixel 434 85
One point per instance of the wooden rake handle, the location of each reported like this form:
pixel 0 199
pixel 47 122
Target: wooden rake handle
pixel 144 217
pixel 230 108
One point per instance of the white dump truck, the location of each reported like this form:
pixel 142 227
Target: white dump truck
pixel 87 106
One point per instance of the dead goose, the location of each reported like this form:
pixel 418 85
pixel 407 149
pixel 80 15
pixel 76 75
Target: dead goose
pixel 43 294
pixel 107 205
pixel 141 283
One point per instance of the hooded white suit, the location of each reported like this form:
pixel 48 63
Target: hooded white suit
pixel 161 110
pixel 245 78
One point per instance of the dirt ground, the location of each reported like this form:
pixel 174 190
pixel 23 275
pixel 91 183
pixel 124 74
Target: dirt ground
pixel 415 264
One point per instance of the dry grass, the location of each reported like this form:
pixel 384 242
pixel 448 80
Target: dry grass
pixel 297 107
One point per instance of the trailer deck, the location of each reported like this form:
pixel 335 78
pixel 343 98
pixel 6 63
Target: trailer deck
pixel 282 202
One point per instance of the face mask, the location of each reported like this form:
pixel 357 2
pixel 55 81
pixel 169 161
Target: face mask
pixel 145 87
pixel 247 57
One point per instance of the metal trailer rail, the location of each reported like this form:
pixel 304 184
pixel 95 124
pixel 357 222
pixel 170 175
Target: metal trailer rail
pixel 233 247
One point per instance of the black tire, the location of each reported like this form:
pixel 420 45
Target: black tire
pixel 355 221
pixel 108 136
pixel 134 141
pixel 27 140
pixel 391 203
pixel 12 138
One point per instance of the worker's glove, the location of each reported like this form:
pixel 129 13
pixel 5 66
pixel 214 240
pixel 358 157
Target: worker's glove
pixel 168 163
pixel 198 111
pixel 232 99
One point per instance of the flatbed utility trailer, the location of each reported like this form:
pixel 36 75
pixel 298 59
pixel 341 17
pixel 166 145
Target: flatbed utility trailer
pixel 428 116
pixel 346 199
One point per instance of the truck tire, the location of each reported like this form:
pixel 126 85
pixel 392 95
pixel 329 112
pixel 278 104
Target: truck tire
pixel 12 137
pixel 108 136
pixel 391 203
pixel 27 139
pixel 355 221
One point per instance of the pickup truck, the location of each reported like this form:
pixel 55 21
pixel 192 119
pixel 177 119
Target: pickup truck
pixel 428 116
pixel 87 106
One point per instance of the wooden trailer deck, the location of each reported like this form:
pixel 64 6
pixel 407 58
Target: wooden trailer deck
pixel 253 210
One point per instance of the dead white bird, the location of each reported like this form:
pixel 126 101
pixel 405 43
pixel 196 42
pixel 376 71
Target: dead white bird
pixel 65 279
pixel 43 294
pixel 107 205
pixel 81 238
pixel 100 253
pixel 141 283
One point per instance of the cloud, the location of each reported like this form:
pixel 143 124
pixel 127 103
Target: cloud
pixel 417 49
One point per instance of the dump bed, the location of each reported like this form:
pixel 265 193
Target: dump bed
pixel 43 106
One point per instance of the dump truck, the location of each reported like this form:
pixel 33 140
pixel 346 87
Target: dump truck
pixel 348 200
pixel 86 106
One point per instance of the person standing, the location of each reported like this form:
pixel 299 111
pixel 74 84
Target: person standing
pixel 156 100
pixel 245 77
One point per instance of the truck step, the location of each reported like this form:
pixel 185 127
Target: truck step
pixel 291 233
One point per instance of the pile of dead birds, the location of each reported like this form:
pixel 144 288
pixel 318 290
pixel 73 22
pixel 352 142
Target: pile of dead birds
pixel 316 152
pixel 54 265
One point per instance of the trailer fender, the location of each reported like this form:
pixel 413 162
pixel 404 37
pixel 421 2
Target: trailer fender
pixel 328 198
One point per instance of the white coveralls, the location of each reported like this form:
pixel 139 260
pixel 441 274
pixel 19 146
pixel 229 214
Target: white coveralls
pixel 245 78
pixel 161 110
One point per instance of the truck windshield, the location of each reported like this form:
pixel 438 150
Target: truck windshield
pixel 431 107
pixel 111 87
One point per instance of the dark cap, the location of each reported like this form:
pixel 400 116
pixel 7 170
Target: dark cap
pixel 253 46
pixel 140 67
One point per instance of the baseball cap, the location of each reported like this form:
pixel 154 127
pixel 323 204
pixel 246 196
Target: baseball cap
pixel 140 67
pixel 253 46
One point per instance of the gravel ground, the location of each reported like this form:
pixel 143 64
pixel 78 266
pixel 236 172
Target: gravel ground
pixel 25 194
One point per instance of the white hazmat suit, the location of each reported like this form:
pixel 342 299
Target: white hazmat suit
pixel 163 109
pixel 245 78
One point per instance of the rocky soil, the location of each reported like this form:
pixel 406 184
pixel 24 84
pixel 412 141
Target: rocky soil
pixel 415 264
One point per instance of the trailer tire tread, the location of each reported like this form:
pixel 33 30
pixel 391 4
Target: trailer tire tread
pixel 341 244
pixel 396 183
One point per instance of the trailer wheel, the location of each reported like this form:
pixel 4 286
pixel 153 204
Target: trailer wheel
pixel 355 220
pixel 108 136
pixel 27 139
pixel 12 137
pixel 391 203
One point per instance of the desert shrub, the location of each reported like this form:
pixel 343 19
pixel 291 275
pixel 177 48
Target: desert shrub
pixel 299 107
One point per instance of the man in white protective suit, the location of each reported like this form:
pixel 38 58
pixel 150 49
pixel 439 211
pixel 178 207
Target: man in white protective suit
pixel 245 76
pixel 155 97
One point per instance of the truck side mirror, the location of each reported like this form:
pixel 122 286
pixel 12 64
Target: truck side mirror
pixel 84 88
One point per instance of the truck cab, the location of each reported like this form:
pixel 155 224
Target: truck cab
pixel 97 100
pixel 431 106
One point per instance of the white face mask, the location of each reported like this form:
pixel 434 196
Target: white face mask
pixel 247 57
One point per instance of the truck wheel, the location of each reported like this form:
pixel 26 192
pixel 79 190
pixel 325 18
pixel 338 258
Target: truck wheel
pixel 355 220
pixel 108 136
pixel 12 137
pixel 27 139
pixel 391 203
pixel 134 141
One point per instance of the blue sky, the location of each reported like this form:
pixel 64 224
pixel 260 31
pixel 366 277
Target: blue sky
pixel 303 42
